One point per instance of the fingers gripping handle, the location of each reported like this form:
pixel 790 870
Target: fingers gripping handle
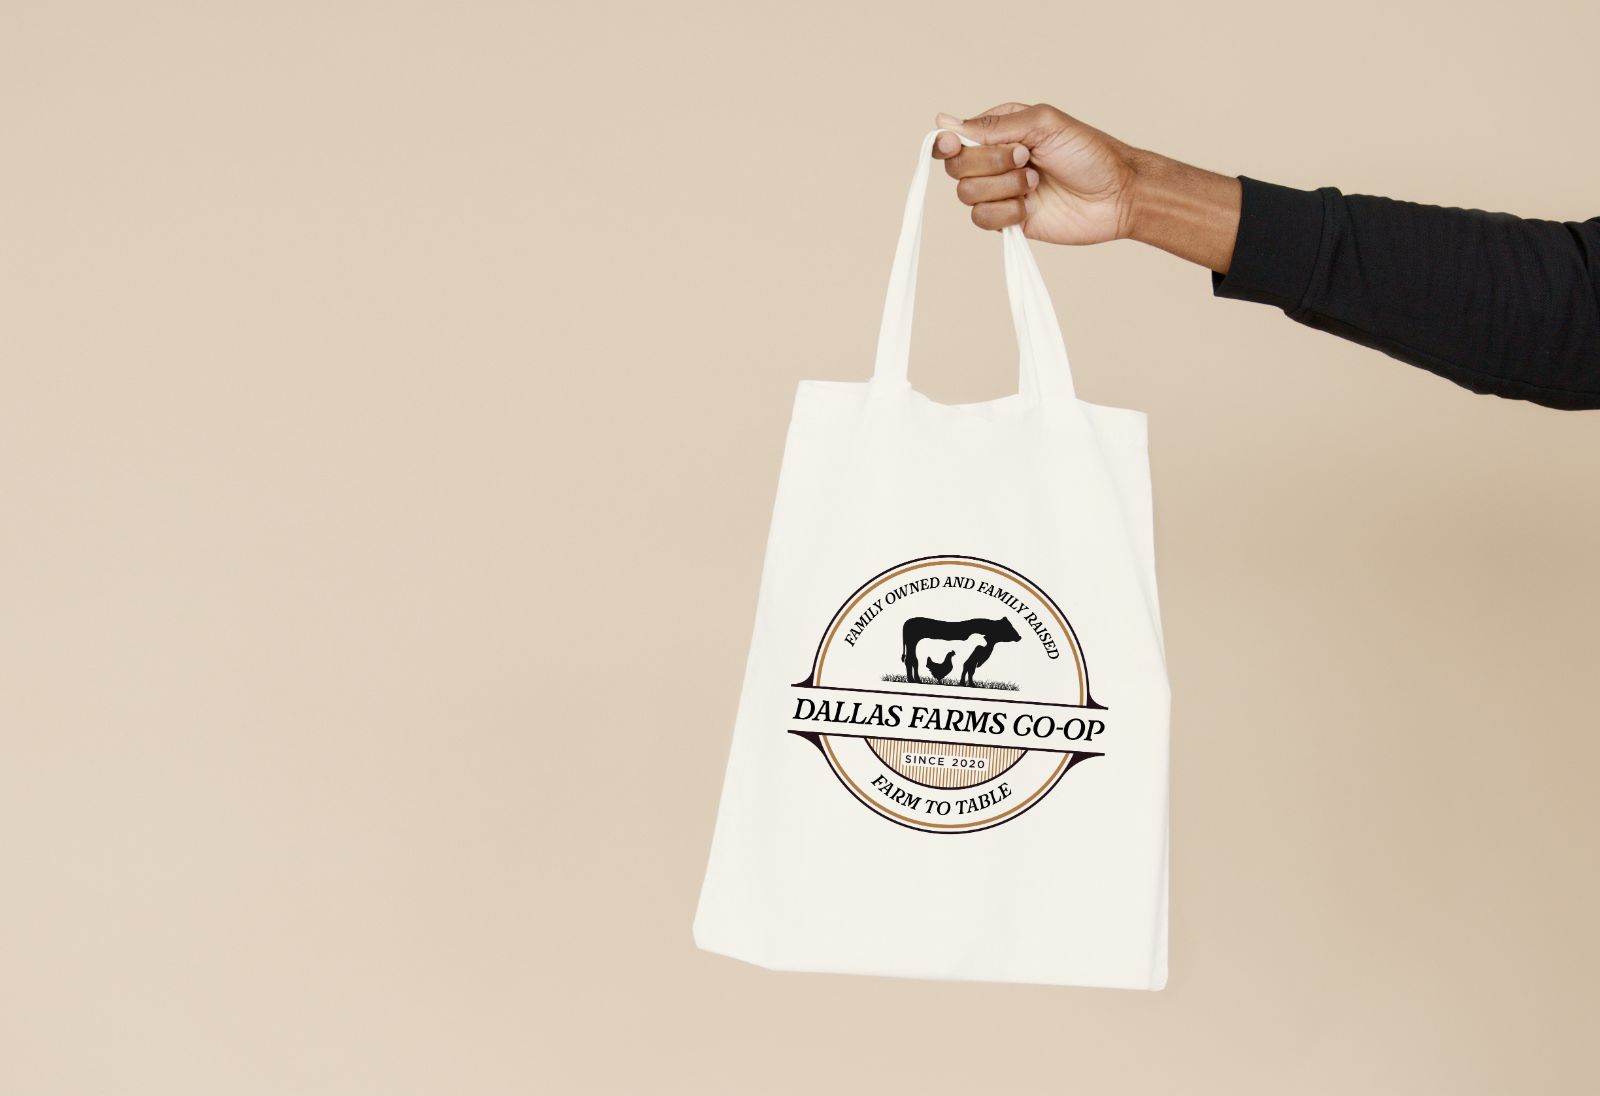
pixel 1043 369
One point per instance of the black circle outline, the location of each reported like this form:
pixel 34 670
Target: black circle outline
pixel 814 737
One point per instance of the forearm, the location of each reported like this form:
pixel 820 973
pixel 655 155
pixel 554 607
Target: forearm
pixel 1183 210
pixel 1498 304
pixel 1495 303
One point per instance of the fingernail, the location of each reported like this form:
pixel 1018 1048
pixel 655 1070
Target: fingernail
pixel 947 142
pixel 1033 178
pixel 947 121
pixel 1019 155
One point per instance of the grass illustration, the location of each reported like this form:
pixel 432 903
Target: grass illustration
pixel 950 682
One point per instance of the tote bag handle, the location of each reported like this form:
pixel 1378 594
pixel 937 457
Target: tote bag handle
pixel 1043 370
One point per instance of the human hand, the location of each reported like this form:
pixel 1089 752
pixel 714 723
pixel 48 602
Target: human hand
pixel 1064 182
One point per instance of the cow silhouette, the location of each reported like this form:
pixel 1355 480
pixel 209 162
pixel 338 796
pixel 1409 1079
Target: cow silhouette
pixel 918 629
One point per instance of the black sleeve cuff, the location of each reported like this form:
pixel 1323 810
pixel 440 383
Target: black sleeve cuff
pixel 1280 232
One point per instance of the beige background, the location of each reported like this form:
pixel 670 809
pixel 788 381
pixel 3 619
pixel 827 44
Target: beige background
pixel 391 405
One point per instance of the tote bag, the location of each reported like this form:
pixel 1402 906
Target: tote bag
pixel 950 754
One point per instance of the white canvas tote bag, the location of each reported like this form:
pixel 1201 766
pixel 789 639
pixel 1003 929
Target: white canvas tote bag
pixel 950 754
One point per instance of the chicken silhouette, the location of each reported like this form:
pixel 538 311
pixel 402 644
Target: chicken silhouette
pixel 941 670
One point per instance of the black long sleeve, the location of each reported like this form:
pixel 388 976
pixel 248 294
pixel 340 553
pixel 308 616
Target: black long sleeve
pixel 1498 304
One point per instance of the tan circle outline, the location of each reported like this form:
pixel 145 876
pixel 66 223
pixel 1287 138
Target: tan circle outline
pixel 1077 660
pixel 1072 640
pixel 918 823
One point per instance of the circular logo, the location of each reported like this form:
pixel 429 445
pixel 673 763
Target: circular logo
pixel 949 694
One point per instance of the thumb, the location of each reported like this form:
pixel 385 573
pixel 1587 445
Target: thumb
pixel 1004 124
